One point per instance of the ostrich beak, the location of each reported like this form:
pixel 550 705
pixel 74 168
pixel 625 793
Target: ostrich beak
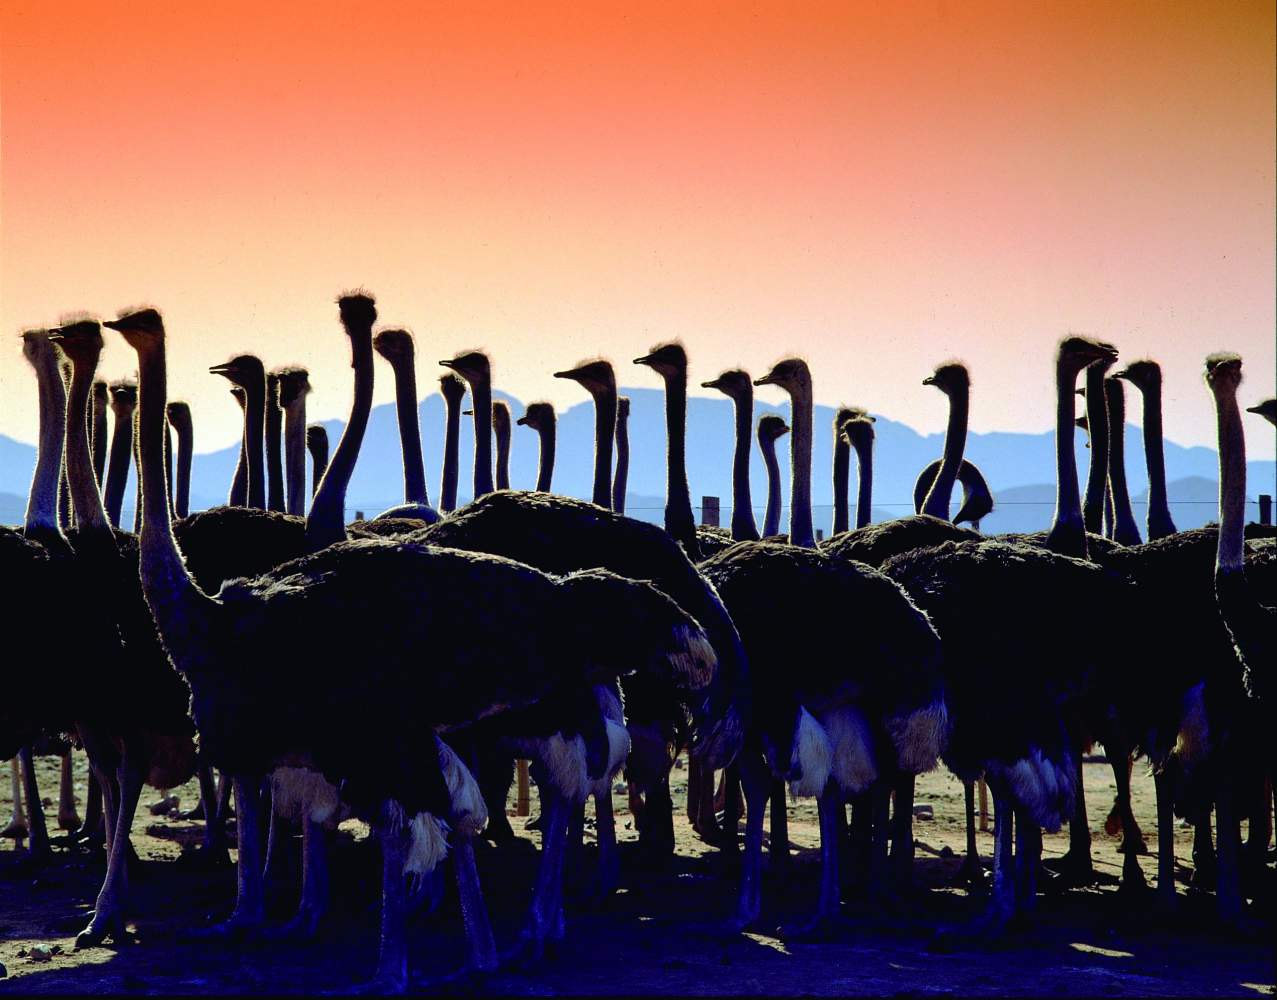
pixel 522 421
pixel 449 364
pixel 646 359
pixel 223 369
pixel 55 334
pixel 1080 392
pixel 1124 373
pixel 1257 408
pixel 112 324
pixel 768 379
pixel 929 380
pixel 467 413
pixel 569 373
pixel 714 383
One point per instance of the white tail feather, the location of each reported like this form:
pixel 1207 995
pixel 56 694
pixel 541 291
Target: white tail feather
pixel 299 791
pixel 853 765
pixel 812 757
pixel 920 737
pixel 469 813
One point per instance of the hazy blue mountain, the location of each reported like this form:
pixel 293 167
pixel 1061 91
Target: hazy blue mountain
pixel 1013 463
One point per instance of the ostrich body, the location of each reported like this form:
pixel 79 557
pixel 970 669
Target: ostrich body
pixel 123 403
pixel 274 455
pixel 1147 377
pixel 294 386
pixel 736 386
pixel 396 346
pixel 317 445
pixel 670 362
pixel 599 380
pixel 179 418
pixel 539 635
pixel 246 372
pixel 453 390
pixel 771 427
pixel 621 480
pixel 476 370
pixel 238 496
pixel 1124 530
pixel 540 417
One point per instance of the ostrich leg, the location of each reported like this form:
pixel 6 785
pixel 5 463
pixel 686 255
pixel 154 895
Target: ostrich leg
pixel 902 834
pixel 779 851
pixel 68 819
pixel 38 843
pixel 250 906
pixel 544 915
pixel 314 897
pixel 1002 894
pixel 481 948
pixel 93 831
pixel 392 957
pixel 732 807
pixel 1164 786
pixel 1132 844
pixel 17 828
pixel 860 837
pixel 215 846
pixel 1205 863
pixel 756 784
pixel 1075 866
pixel 108 915
pixel 829 805
pixel 609 860
pixel 1028 858
pixel 1228 896
pixel 880 799
pixel 970 873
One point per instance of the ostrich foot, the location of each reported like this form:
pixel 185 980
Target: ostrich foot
pixel 1203 878
pixel 237 927
pixel 984 930
pixel 164 806
pixel 1071 870
pixel 104 924
pixel 973 876
pixel 823 928
pixel 69 820
pixel 16 829
pixel 195 812
pixel 1141 845
pixel 382 984
pixel 1113 821
pixel 303 926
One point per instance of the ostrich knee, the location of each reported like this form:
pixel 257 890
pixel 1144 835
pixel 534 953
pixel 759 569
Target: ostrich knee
pixel 38 833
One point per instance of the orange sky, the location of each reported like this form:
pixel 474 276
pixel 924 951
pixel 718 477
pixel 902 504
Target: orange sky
pixel 877 186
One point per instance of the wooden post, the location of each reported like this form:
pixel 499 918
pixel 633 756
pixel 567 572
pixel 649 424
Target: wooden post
pixel 522 805
pixel 1265 508
pixel 984 805
pixel 359 515
pixel 709 511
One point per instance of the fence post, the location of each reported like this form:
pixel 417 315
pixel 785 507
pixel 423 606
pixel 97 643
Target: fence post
pixel 709 511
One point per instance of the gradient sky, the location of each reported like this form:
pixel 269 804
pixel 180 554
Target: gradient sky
pixel 878 187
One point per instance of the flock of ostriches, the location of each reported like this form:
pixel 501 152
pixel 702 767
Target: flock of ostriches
pixel 395 669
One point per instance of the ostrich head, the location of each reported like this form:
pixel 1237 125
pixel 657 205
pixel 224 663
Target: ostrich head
pixel 243 370
pixel 622 408
pixel 538 416
pixel 272 389
pixel 792 375
pixel 1224 372
pixel 1076 353
pixel 99 391
pixel 594 376
pixel 394 345
pixel 294 382
pixel 950 377
pixel 316 437
pixel 80 340
pixel 179 415
pixel 237 394
pixel 123 398
pixel 473 366
pixel 500 417
pixel 668 360
pixel 1267 409
pixel 142 328
pixel 858 431
pixel 620 625
pixel 38 349
pixel 771 427
pixel 452 388
pixel 733 383
pixel 1144 374
pixel 357 309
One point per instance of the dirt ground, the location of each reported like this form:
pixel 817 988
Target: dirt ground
pixel 662 934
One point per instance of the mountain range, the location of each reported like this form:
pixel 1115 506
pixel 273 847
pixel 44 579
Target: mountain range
pixel 1020 468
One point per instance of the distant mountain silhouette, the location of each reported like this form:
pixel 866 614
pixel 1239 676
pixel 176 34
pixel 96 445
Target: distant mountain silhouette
pixel 1017 466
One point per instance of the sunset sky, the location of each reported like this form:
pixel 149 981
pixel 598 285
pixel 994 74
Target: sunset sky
pixel 876 186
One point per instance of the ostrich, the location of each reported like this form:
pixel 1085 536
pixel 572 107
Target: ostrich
pixel 474 367
pixel 1124 530
pixel 771 427
pixel 736 385
pixel 123 403
pixel 294 386
pixel 179 417
pixel 97 431
pixel 317 445
pixel 453 390
pixel 669 360
pixel 540 417
pixel 1147 377
pixel 522 615
pixel 274 456
pixel 859 433
pixel 842 467
pixel 397 347
pixel 599 380
pixel 501 432
pixel 621 479
pixel 134 723
pixel 239 482
pixel 247 373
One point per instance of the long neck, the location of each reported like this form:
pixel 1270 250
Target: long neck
pixel 503 456
pixel 622 478
pixel 481 397
pixel 117 469
pixel 326 522
pixel 98 434
pixel 744 527
pixel 679 521
pixel 254 439
pixel 42 504
pixel 89 512
pixel 864 495
pixel 239 484
pixel 185 448
pixel 604 430
pixel 295 454
pixel 955 443
pixel 771 519
pixel 1068 534
pixel 1125 531
pixel 451 458
pixel 1230 554
pixel 842 480
pixel 800 527
pixel 545 470
pixel 414 468
pixel 1097 422
pixel 274 456
pixel 1160 523
pixel 319 463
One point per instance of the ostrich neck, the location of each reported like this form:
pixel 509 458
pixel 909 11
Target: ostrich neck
pixel 678 498
pixel 481 398
pixel 254 440
pixel 1124 530
pixel 168 468
pixel 1068 534
pixel 1229 557
pixel 545 468
pixel 89 512
pixel 182 491
pixel 326 523
pixel 743 525
pixel 239 484
pixel 42 504
pixel 117 465
pixel 604 429
pixel 842 480
pixel 451 459
pixel 294 455
pixel 1097 422
pixel 800 528
pixel 1159 511
pixel 771 519
pixel 98 436
pixel 319 463
pixel 414 468
pixel 864 495
pixel 955 443
pixel 503 456
pixel 621 480
pixel 274 459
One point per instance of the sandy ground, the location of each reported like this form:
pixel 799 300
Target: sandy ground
pixel 661 934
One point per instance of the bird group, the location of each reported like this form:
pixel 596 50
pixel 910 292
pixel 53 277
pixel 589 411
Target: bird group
pixel 395 669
